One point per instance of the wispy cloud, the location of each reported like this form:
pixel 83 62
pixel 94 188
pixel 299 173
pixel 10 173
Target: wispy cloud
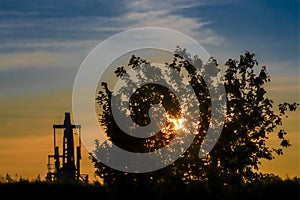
pixel 29 59
pixel 166 14
pixel 28 29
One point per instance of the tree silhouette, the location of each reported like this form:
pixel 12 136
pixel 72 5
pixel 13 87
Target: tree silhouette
pixel 250 119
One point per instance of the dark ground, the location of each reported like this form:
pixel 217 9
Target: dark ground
pixel 281 190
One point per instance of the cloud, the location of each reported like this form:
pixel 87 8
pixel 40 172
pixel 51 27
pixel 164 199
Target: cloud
pixel 37 72
pixel 143 13
pixel 47 26
pixel 29 59
pixel 54 47
pixel 287 84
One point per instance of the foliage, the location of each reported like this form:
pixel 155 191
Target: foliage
pixel 250 118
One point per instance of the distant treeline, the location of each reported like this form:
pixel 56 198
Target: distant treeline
pixel 271 188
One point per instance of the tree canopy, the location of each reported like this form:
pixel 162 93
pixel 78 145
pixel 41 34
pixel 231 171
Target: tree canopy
pixel 251 117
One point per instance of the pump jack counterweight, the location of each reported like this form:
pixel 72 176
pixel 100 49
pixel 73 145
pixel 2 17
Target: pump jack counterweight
pixel 66 167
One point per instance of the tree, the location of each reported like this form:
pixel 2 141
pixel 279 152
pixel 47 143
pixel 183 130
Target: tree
pixel 250 119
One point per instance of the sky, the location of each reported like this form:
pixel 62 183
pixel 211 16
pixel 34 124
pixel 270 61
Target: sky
pixel 43 43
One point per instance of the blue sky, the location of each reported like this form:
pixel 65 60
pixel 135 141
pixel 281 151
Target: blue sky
pixel 42 25
pixel 44 42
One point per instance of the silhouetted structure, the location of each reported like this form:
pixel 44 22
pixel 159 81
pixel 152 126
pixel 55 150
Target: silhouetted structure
pixel 64 167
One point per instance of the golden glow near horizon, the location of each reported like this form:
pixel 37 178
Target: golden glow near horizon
pixel 26 136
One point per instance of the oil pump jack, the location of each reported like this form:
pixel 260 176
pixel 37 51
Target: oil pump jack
pixel 66 167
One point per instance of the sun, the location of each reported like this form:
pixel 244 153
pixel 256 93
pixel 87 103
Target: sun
pixel 173 124
pixel 177 123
